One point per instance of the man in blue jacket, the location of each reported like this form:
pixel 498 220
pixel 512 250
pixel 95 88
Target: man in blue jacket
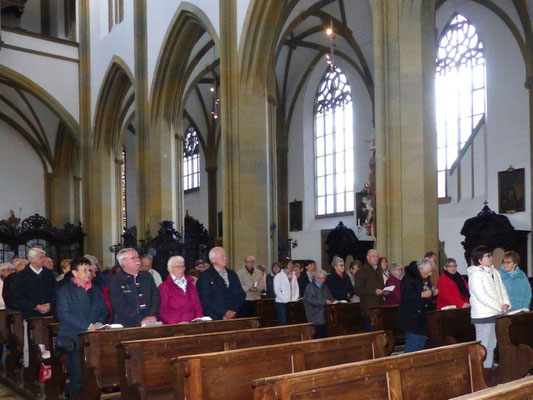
pixel 80 307
pixel 219 288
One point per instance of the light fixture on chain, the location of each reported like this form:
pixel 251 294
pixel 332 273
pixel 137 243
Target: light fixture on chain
pixel 213 89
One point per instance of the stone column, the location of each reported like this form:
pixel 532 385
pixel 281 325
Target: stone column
pixel 246 156
pixel 406 184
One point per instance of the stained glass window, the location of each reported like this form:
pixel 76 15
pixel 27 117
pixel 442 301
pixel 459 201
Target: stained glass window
pixel 460 92
pixel 334 161
pixel 191 160
pixel 123 189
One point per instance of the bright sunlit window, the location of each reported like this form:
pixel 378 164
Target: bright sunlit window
pixel 460 92
pixel 334 158
pixel 191 160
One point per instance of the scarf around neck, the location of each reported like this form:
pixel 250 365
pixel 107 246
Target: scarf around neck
pixel 459 281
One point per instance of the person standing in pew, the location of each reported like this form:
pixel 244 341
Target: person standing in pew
pixel 219 288
pixel 316 296
pixel 133 294
pixel 307 277
pixel 252 283
pixel 338 282
pixel 369 286
pixel 80 307
pixel 33 292
pixel 286 290
pixel 515 281
pixel 416 297
pixel 453 288
pixel 488 299
pixel 179 298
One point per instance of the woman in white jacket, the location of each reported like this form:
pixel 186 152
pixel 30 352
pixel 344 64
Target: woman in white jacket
pixel 488 299
pixel 286 289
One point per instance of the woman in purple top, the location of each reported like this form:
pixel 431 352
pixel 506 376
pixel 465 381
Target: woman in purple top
pixel 395 279
pixel 179 297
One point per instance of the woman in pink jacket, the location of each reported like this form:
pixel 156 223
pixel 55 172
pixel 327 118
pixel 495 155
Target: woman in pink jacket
pixel 179 298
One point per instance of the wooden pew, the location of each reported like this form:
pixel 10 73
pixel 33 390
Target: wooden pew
pixel 201 373
pixel 98 349
pixel 295 312
pixel 515 346
pixel 55 386
pixel 384 319
pixel 343 319
pixel 37 334
pixel 145 363
pixel 435 374
pixel 521 389
pixel 15 343
pixel 449 327
pixel 265 309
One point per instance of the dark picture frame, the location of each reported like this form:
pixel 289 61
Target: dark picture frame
pixel 360 207
pixel 511 191
pixel 296 216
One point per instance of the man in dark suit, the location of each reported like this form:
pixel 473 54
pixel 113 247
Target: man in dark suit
pixel 219 288
pixel 80 307
pixel 368 285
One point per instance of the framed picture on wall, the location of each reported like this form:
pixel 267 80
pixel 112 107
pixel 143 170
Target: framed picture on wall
pixel 511 191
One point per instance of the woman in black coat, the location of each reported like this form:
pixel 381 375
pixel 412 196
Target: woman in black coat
pixel 338 282
pixel 416 299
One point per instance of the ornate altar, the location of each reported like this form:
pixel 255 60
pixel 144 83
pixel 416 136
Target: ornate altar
pixel 342 242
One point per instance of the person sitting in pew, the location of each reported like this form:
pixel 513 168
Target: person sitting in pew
pixel 453 288
pixel 395 279
pixel 65 268
pixel 417 294
pixel 515 281
pixel 9 283
pixel 80 307
pixel 219 288
pixel 338 282
pixel 6 269
pixel 179 297
pixel 133 295
pixel 488 299
pixel 316 296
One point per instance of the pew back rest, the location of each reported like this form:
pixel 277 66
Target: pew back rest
pixel 295 312
pixel 237 368
pixel 440 373
pixel 98 349
pixel 265 309
pixel 15 327
pixel 38 330
pixel 147 362
pixel 3 326
pixel 343 319
pixel 515 329
pixel 449 327
pixel 521 389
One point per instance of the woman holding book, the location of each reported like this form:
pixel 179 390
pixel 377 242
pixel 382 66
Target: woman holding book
pixel 515 281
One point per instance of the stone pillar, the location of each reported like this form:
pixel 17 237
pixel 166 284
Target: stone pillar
pixel 212 199
pixel 406 183
pixel 246 156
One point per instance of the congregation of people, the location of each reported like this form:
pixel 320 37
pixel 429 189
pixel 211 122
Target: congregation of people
pixel 83 297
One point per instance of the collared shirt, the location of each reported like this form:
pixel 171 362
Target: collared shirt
pixel 224 274
pixel 85 287
pixel 182 283
pixel 36 271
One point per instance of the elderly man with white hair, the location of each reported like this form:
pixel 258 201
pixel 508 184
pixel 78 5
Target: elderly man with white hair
pixel 179 297
pixel 219 288
pixel 133 295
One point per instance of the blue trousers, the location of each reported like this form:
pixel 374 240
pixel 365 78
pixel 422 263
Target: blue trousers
pixel 74 368
pixel 281 313
pixel 414 342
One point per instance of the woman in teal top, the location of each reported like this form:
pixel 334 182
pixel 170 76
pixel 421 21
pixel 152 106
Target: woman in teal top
pixel 515 282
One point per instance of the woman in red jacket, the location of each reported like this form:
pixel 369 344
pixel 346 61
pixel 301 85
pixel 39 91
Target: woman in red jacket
pixel 453 288
pixel 179 297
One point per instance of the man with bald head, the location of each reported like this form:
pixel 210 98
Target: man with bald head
pixel 219 288
pixel 368 285
pixel 252 283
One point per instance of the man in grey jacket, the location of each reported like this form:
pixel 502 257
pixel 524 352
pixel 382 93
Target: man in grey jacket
pixel 316 296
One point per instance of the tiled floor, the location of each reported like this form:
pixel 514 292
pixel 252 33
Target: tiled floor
pixel 8 394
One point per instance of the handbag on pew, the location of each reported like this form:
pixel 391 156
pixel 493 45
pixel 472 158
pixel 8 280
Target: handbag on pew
pixel 45 372
pixel 65 345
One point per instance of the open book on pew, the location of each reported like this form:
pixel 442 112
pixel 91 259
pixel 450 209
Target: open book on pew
pixel 202 319
pixel 389 288
pixel 111 326
pixel 517 311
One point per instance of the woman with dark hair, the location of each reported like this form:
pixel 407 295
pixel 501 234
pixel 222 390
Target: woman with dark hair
pixel 488 299
pixel 274 270
pixel 453 288
pixel 515 281
pixel 286 289
pixel 383 264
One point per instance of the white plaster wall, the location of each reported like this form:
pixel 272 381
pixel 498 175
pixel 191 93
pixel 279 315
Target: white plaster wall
pixel 506 132
pixel 31 18
pixel 26 187
pixel 301 161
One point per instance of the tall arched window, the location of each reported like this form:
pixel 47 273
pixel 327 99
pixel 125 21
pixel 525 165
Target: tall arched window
pixel 123 189
pixel 191 160
pixel 460 92
pixel 334 164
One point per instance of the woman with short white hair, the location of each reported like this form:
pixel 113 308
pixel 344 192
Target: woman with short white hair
pixel 416 297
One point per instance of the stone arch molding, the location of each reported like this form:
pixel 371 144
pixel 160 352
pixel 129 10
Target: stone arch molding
pixel 111 98
pixel 73 128
pixel 171 71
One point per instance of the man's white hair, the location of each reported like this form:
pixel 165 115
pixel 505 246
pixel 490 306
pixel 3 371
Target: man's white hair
pixel 6 265
pixel 172 259
pixel 213 251
pixel 34 251
pixel 122 254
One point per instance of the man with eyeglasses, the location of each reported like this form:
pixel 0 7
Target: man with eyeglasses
pixel 133 294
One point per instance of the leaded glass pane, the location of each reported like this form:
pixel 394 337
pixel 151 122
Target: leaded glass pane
pixel 191 160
